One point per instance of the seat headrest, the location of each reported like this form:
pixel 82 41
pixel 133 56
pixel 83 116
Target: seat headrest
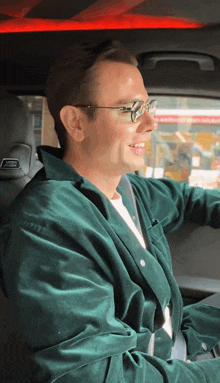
pixel 17 147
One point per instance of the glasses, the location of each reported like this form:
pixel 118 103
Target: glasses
pixel 135 111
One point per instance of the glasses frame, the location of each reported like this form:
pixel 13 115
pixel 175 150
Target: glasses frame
pixel 136 110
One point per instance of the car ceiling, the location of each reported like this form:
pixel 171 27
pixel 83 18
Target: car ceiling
pixel 33 33
pixel 206 12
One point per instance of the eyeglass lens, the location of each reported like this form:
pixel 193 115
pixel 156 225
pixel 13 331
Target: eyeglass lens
pixel 139 107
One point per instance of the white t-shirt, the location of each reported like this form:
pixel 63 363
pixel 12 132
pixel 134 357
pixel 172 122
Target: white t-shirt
pixel 122 210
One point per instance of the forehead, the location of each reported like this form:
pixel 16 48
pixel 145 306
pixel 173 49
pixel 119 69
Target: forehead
pixel 115 82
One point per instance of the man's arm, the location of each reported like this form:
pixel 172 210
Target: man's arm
pixel 174 203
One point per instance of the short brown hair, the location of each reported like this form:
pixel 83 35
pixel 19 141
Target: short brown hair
pixel 71 71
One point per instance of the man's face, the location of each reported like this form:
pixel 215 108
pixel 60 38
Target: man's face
pixel 114 144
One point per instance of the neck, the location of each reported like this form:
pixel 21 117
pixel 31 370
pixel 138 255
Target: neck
pixel 106 183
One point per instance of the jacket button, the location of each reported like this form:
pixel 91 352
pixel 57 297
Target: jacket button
pixel 142 262
pixel 204 346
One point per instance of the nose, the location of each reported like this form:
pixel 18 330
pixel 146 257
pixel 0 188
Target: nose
pixel 148 122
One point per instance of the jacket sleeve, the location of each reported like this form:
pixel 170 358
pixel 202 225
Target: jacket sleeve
pixel 201 328
pixel 66 310
pixel 174 203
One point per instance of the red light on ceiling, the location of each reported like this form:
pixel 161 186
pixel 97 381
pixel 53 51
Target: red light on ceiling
pixel 128 21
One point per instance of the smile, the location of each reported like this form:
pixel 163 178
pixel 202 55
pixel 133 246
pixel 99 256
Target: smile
pixel 138 145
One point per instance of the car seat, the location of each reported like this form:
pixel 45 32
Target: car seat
pixel 17 166
pixel 17 148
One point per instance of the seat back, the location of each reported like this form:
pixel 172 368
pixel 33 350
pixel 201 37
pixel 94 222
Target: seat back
pixel 17 148
pixel 17 166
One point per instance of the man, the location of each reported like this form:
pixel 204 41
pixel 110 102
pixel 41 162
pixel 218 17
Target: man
pixel 91 291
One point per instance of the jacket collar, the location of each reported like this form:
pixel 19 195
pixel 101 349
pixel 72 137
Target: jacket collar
pixel 55 167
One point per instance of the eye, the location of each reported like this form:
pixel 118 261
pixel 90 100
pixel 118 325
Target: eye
pixel 126 109
pixel 125 115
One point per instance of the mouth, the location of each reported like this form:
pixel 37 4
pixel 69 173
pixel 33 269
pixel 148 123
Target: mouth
pixel 138 149
pixel 141 145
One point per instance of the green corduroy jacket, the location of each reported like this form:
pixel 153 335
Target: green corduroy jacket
pixel 86 301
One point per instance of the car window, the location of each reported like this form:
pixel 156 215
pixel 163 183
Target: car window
pixel 34 104
pixel 186 145
pixel 41 120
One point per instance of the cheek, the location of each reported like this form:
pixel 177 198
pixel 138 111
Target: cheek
pixel 113 131
pixel 99 140
pixel 108 135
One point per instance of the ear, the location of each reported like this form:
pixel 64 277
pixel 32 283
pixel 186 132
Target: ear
pixel 70 117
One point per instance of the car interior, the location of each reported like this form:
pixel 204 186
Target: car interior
pixel 177 45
